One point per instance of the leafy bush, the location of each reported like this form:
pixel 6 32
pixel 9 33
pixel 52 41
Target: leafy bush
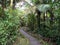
pixel 9 27
pixel 31 21
pixel 46 30
pixel 36 1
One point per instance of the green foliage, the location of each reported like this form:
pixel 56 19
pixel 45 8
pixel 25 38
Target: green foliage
pixel 9 27
pixel 46 29
pixel 31 21
pixel 36 1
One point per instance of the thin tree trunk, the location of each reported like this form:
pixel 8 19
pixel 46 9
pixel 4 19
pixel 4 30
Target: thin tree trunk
pixel 44 21
pixel 14 2
pixel 11 3
pixel 38 18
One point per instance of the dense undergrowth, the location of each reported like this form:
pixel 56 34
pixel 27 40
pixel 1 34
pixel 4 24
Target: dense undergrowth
pixel 48 26
pixel 47 31
pixel 9 25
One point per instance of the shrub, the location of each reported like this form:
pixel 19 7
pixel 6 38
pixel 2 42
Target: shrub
pixel 9 27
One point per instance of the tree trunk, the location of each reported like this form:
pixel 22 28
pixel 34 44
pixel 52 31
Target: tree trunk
pixel 11 3
pixel 38 18
pixel 44 21
pixel 14 2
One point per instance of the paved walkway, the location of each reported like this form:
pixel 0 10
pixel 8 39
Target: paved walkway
pixel 33 41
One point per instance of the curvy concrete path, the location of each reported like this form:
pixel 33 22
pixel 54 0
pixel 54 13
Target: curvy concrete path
pixel 33 41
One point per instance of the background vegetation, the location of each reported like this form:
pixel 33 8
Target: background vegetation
pixel 43 18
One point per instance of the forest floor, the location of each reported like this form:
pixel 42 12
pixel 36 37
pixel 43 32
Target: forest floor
pixel 28 38
pixel 21 40
pixel 32 40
